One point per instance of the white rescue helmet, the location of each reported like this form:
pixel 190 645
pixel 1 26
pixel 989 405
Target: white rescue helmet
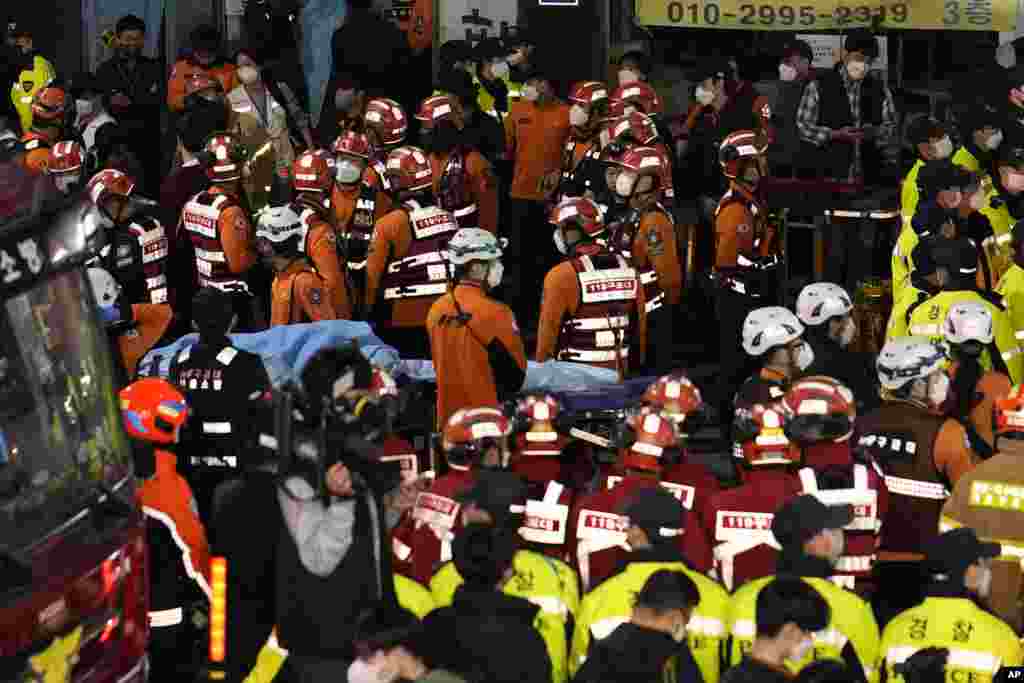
pixel 768 327
pixel 968 321
pixel 474 244
pixel 104 287
pixel 279 223
pixel 820 301
pixel 905 359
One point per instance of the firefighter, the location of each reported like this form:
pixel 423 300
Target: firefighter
pixel 638 129
pixel 50 107
pixel 820 414
pixel 775 337
pixel 405 268
pixel 204 60
pixel 357 202
pixel 299 293
pixel 652 451
pixel 830 328
pixel 1011 285
pixel 959 575
pixel 225 387
pixel 154 413
pixel 983 500
pixel 65 166
pixel 653 520
pixel 745 254
pixel 592 306
pixel 926 317
pixel 471 440
pixel 581 168
pixel 979 376
pixel 384 122
pixel 738 520
pixel 475 343
pixel 463 182
pixel 134 329
pixel 137 245
pixel 313 179
pixel 920 452
pixel 812 539
pixel 650 242
pixel 500 499
pixel 216 223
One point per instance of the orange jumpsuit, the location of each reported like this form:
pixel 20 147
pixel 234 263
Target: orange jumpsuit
pixel 534 139
pixel 234 235
pixel 184 69
pixel 417 22
pixel 991 385
pixel 151 322
pixel 322 251
pixel 343 202
pixel 477 358
pixel 741 228
pixel 300 295
pixel 654 247
pixel 37 151
pixel 481 187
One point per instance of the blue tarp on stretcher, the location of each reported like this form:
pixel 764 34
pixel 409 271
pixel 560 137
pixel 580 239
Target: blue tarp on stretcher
pixel 285 349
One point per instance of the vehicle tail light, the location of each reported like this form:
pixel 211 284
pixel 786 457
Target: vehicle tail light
pixel 218 608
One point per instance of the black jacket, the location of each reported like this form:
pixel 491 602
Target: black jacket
pixel 854 369
pixel 484 133
pixel 143 85
pixel 752 671
pixel 632 654
pixel 492 638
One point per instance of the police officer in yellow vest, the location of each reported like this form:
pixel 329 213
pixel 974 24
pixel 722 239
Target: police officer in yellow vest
pixel 979 643
pixel 1003 205
pixel 499 498
pixel 981 131
pixel 33 73
pixel 1011 285
pixel 492 76
pixel 926 317
pixel 812 540
pixel 990 500
pixel 654 520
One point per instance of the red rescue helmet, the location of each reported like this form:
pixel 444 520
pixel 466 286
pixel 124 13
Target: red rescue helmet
pixel 536 415
pixel 581 212
pixel 65 157
pixel 653 440
pixel 589 93
pixel 638 94
pixel 225 157
pixel 387 119
pixel 637 128
pixel 739 148
pixel 1009 414
pixel 435 108
pixel 471 432
pixel 409 170
pixel 675 396
pixel 312 171
pixel 106 184
pixel 353 144
pixel 818 409
pixel 49 105
pixel 761 433
pixel 153 410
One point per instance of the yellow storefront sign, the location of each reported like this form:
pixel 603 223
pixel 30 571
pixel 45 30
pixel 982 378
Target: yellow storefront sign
pixel 823 15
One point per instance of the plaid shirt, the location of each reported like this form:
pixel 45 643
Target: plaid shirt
pixel 810 108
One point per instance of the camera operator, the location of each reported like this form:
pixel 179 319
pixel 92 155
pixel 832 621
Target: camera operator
pixel 331 559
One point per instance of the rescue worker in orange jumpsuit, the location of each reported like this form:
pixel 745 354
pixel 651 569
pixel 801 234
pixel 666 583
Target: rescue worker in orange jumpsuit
pixel 204 60
pixel 820 414
pixel 49 123
pixel 593 304
pixel 475 343
pixel 640 97
pixel 648 240
pixel 298 294
pixel 357 202
pixel 471 439
pixel 651 453
pixel 746 261
pixel 464 182
pixel 137 245
pixel 219 228
pixel 405 267
pixel 582 171
pixel 313 180
pixel 922 455
pixel 638 129
pixel 384 122
pixel 153 413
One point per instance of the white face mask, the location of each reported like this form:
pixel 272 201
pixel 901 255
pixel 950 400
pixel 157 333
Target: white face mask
pixel 559 240
pixel 248 74
pixel 857 70
pixel 786 72
pixel 531 93
pixel 500 69
pixel 984 587
pixel 348 172
pixel 704 96
pixel 804 357
pixel 627 76
pixel 65 181
pixel 994 140
pixel 938 389
pixel 376 670
pixel 494 274
pixel 801 650
pixel 943 148
pixel 624 184
pixel 848 333
pixel 578 116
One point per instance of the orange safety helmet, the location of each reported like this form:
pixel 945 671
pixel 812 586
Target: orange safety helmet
pixel 226 156
pixel 387 118
pixel 352 143
pixel 312 172
pixel 761 432
pixel 65 157
pixel 153 410
pixel 582 212
pixel 1009 414
pixel 107 183
pixel 818 409
pixel 470 432
pixel 409 170
pixel 637 93
pixel 738 147
pixel 49 105
pixel 435 108
pixel 655 441
pixel 675 396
